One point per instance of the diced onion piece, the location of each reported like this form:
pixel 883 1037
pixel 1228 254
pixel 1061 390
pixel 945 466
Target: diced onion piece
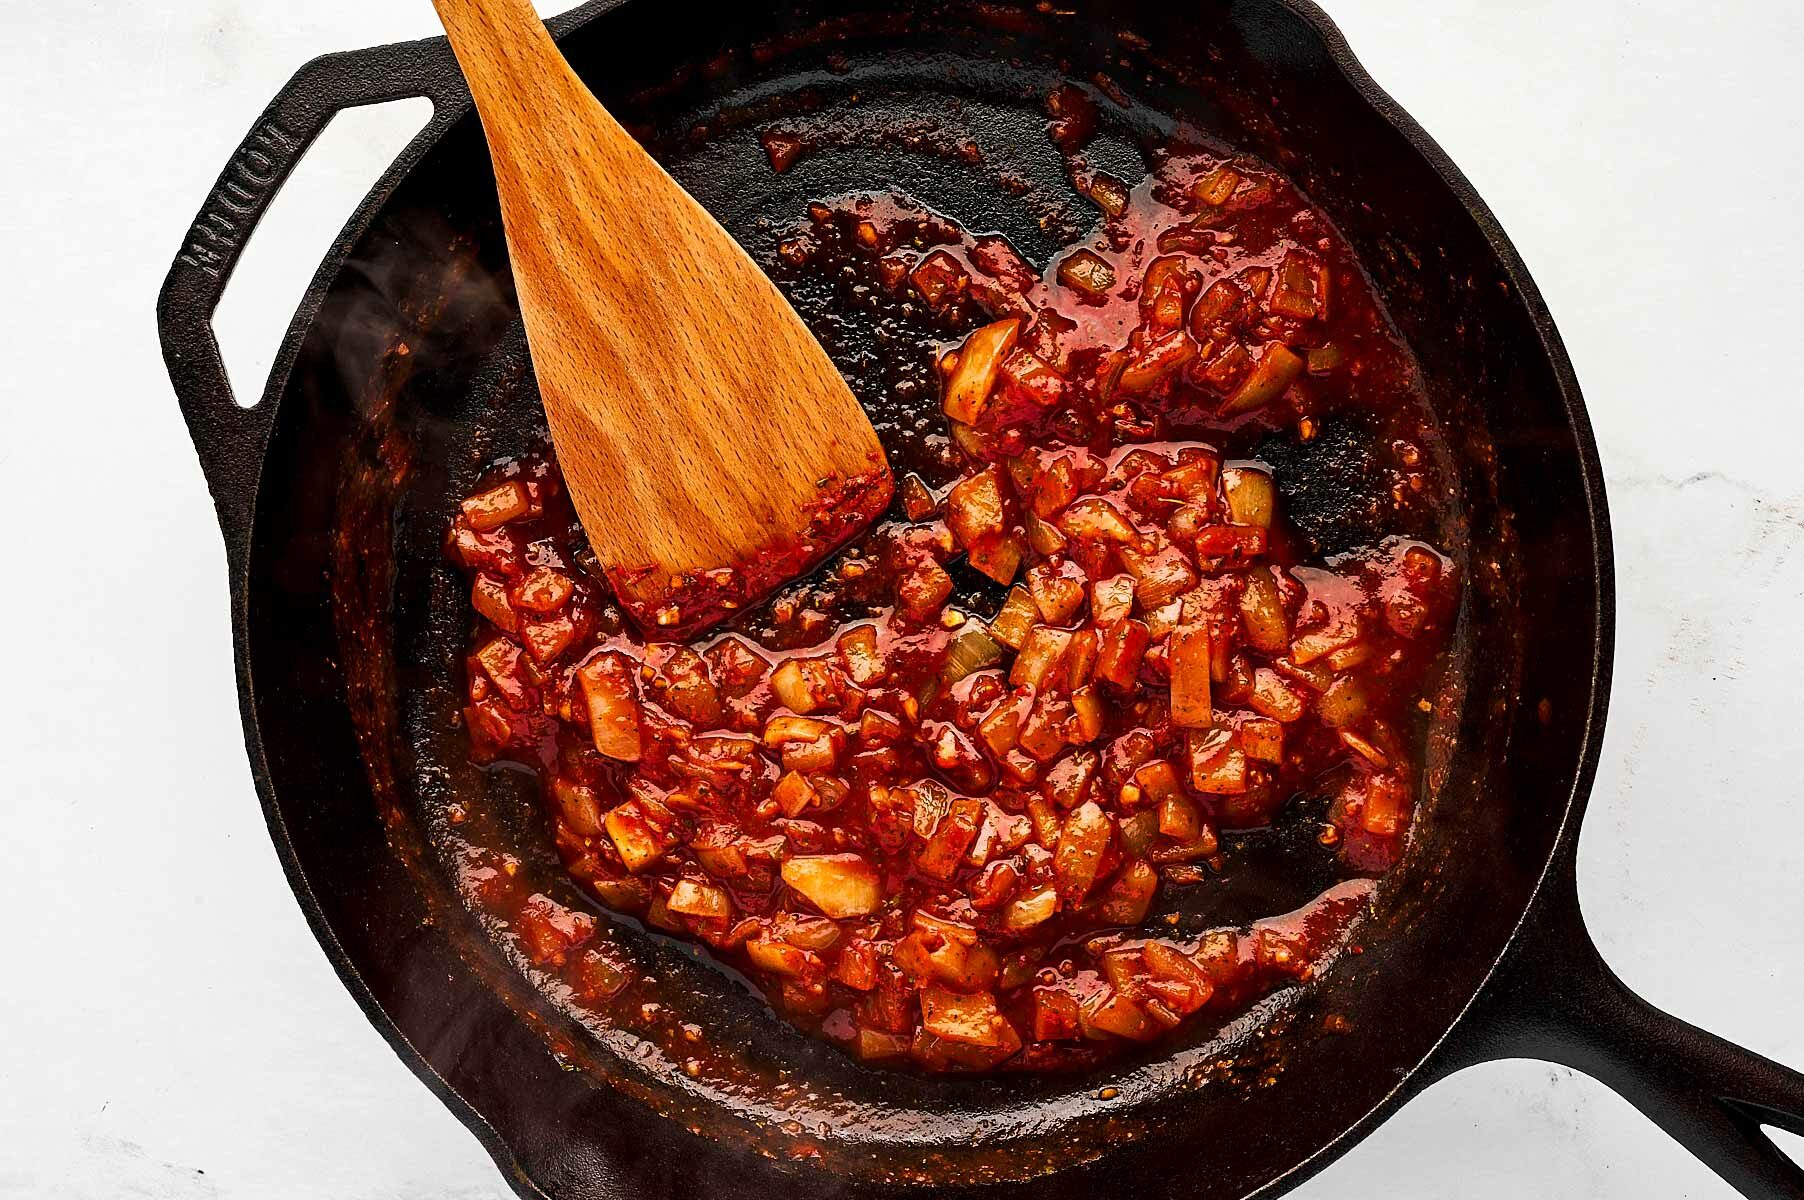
pixel 970 440
pixel 1088 716
pixel 1096 519
pixel 998 557
pixel 857 965
pixel 1276 370
pixel 810 933
pixel 693 899
pixel 1138 832
pixel 1129 895
pixel 1263 739
pixel 878 728
pixel 1251 496
pixel 1080 657
pixel 779 958
pixel 1111 599
pixel 973 649
pixel 840 885
pixel 1343 704
pixel 543 591
pixel 917 501
pixel 951 837
pixel 1112 1012
pixel 1087 273
pixel 1218 766
pixel 1056 484
pixel 720 854
pixel 922 591
pixel 1057 593
pixel 805 744
pixel 1342 631
pixel 1386 803
pixel 1118 658
pixel 875 1044
pixel 1109 193
pixel 1166 962
pixel 1040 655
pixel 1218 308
pixel 500 661
pixel 784 731
pixel 1158 362
pixel 1083 840
pixel 1027 376
pixel 1229 365
pixel 939 279
pixel 858 653
pixel 1179 819
pixel 1066 786
pixel 1302 290
pixel 1034 908
pixel 1043 733
pixel 974 508
pixel 1045 538
pixel 1323 359
pixel 1017 617
pixel 948 952
pixel 1364 749
pixel 1262 613
pixel 1001 729
pixel 578 805
pixel 793 794
pixel 1022 768
pixel 1217 187
pixel 545 640
pixel 496 507
pixel 625 895
pixel 1162 620
pixel 689 689
pixel 973 1020
pixel 979 362
pixel 489 597
pixel 611 693
pixel 1188 656
pixel 1276 698
pixel 1316 676
pixel 1156 781
pixel 638 843
pixel 1165 290
pixel 794 689
pixel 1203 845
pixel 1159 578
pixel 814 757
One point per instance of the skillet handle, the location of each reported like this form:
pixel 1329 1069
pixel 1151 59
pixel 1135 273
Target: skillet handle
pixel 1554 998
pixel 229 438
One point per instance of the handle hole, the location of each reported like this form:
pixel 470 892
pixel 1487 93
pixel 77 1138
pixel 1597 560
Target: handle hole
pixel 1789 1143
pixel 304 219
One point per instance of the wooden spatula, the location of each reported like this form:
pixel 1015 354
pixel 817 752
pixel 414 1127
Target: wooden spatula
pixel 711 448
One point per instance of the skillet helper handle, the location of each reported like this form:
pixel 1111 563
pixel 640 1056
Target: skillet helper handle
pixel 1554 998
pixel 231 438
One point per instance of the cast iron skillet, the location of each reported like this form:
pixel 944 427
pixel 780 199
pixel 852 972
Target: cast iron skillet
pixel 405 369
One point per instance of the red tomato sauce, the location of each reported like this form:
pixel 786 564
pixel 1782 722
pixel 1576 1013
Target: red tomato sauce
pixel 931 798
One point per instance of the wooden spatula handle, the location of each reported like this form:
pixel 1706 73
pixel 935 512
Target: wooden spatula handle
pixel 516 73
pixel 710 446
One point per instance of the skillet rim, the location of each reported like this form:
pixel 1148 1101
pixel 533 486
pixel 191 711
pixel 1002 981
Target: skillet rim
pixel 431 58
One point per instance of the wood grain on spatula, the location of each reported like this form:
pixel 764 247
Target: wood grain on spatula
pixel 710 446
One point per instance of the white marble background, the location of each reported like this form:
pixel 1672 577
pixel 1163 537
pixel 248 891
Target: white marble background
pixel 170 1031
